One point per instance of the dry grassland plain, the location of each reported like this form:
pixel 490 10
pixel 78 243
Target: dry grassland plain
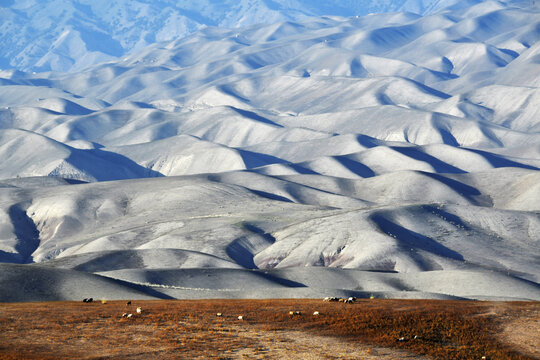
pixel 178 329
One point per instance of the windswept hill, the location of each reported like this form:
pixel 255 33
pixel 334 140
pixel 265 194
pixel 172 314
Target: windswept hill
pixel 403 148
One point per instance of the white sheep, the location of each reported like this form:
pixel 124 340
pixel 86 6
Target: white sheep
pixel 240 317
pixel 316 313
pixel 139 310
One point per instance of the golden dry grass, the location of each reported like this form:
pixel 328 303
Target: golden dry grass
pixel 190 329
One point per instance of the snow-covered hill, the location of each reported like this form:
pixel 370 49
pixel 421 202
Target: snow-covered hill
pixel 403 148
pixel 64 35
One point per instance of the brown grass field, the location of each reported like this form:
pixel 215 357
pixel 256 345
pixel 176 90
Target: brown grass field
pixel 178 329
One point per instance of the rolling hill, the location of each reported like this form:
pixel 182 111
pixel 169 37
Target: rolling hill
pixel 392 154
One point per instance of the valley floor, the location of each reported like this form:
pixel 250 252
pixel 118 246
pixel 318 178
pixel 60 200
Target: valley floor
pixel 187 329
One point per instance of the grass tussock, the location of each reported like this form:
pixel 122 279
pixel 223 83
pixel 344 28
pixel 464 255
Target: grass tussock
pixel 192 329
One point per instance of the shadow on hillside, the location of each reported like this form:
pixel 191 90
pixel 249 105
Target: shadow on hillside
pixel 11 258
pixel 356 167
pixel 367 141
pixel 270 196
pixel 242 250
pixel 278 280
pixel 254 116
pixel 438 165
pixel 253 159
pixel 106 166
pixel 25 231
pixel 410 240
pixel 499 161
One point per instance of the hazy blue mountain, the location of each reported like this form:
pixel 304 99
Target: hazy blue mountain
pixel 65 35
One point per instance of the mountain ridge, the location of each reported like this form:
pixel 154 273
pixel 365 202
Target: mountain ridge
pixel 391 153
pixel 72 35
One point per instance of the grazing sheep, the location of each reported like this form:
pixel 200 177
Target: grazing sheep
pixel 316 313
pixel 219 314
pixel 124 315
pixel 129 315
pixel 240 317
pixel 293 313
pixel 330 299
pixel 90 300
pixel 128 303
pixel 139 310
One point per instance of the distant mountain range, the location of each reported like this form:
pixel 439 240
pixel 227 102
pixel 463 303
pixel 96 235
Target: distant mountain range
pixel 66 35
pixel 392 154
